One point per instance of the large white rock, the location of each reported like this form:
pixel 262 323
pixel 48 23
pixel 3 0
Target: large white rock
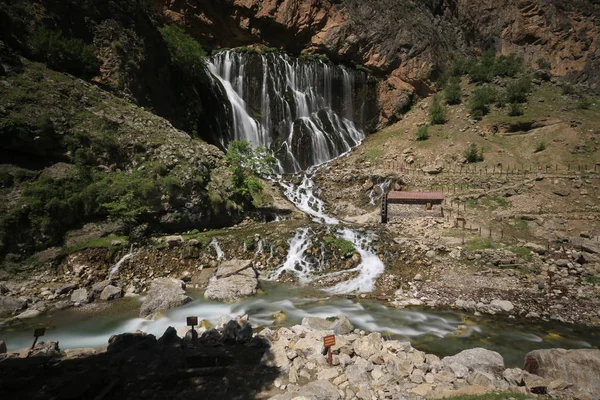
pixel 234 280
pixel 164 294
pixel 478 359
pixel 579 367
pixel 369 345
pixel 502 305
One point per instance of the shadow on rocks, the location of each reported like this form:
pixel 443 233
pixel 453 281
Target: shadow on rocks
pixel 138 366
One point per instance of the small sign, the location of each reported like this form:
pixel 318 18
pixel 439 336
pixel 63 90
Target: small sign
pixel 329 341
pixel 192 321
pixel 39 332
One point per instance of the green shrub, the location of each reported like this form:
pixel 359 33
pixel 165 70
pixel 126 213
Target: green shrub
pixel 462 67
pixel 515 110
pixel 543 64
pixel 187 55
pixel 473 154
pixel 480 102
pixel 516 92
pixel 584 103
pixel 541 146
pixel 567 89
pixel 422 133
pixel 507 66
pixel 64 54
pixel 437 112
pixel 245 165
pixel 452 93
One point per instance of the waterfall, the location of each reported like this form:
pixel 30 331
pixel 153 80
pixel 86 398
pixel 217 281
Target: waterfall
pixel 215 244
pixel 304 111
pixel 115 269
pixel 296 261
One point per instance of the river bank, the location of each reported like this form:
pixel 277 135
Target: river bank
pixel 228 361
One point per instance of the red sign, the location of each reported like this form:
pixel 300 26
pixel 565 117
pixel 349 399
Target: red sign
pixel 329 341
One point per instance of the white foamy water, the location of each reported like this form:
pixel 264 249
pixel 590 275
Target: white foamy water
pixel 305 199
pixel 115 269
pixel 369 269
pixel 214 243
pixel 380 192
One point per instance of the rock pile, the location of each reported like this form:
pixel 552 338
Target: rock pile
pixel 365 366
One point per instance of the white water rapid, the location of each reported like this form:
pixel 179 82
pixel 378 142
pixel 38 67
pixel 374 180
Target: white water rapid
pixel 215 244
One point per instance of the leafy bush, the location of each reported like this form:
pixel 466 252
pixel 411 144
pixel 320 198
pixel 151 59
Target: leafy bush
pixel 507 66
pixel 541 146
pixel 543 64
pixel 516 92
pixel 567 89
pixel 437 112
pixel 423 133
pixel 452 93
pixel 473 154
pixel 584 103
pixel 480 102
pixel 245 165
pixel 515 110
pixel 186 52
pixel 64 54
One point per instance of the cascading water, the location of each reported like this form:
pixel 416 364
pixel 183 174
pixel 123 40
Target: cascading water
pixel 115 269
pixel 307 112
pixel 378 191
pixel 218 251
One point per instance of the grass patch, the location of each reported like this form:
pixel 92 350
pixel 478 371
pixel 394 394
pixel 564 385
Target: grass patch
pixel 594 279
pixel 374 154
pixel 522 252
pixel 422 133
pixel 519 225
pixel 479 244
pixel 343 245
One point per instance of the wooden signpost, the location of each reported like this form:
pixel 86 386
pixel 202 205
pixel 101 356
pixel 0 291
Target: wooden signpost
pixel 37 333
pixel 193 321
pixel 329 341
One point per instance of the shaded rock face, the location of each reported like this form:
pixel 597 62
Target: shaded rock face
pixel 135 61
pixel 164 294
pixel 578 367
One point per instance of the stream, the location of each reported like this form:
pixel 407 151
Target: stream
pixel 430 331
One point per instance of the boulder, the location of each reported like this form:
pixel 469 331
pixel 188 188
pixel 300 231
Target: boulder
pixel 110 292
pixel 174 241
pixel 80 296
pixel 536 248
pixel 66 288
pixel 369 345
pixel 235 279
pixel 3 348
pixel 317 390
pixel 97 288
pixel 579 367
pixel 137 340
pixel 30 313
pixel 9 305
pixel 45 349
pixel 342 325
pixel 502 305
pixel 478 359
pixel 164 294
pixel 237 331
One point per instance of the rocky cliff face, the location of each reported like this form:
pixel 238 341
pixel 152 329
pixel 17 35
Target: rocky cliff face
pixel 407 42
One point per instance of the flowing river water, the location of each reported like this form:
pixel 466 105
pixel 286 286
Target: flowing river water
pixel 431 331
